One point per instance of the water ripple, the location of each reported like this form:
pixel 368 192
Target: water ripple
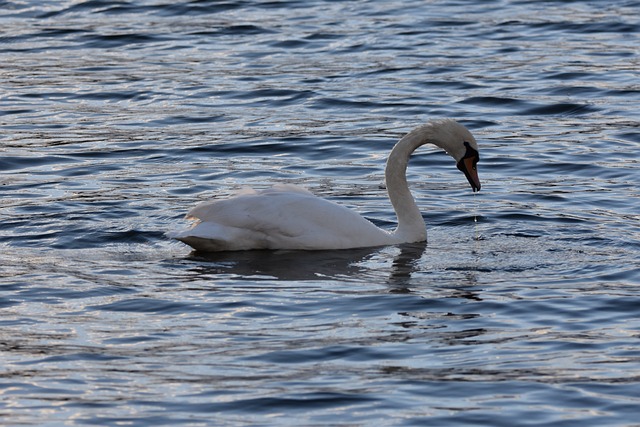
pixel 119 116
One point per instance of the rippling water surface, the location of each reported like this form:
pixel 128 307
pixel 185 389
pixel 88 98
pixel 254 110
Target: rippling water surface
pixel 118 116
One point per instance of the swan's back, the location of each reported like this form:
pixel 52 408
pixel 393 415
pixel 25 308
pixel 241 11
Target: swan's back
pixel 283 217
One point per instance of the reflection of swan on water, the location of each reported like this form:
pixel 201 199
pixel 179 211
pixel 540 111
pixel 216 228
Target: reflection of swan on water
pixel 353 264
pixel 289 217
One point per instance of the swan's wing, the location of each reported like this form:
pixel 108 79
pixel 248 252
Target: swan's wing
pixel 284 219
pixel 250 206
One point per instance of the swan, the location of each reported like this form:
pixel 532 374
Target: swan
pixel 290 217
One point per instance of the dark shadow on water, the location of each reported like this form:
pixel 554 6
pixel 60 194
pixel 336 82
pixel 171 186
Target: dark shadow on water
pixel 311 265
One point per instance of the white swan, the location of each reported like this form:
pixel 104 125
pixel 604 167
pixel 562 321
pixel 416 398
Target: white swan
pixel 290 217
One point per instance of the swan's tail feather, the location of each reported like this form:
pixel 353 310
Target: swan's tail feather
pixel 211 237
pixel 204 244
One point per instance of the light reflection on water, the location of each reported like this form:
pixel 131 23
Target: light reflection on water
pixel 118 117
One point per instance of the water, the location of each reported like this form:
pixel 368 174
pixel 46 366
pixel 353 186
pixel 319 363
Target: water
pixel 118 116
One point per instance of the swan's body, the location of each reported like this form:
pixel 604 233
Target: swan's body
pixel 290 217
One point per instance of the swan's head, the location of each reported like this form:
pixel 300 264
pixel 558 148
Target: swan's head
pixel 456 140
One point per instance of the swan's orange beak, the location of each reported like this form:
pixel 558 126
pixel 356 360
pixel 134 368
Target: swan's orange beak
pixel 468 166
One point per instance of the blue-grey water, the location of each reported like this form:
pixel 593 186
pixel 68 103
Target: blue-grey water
pixel 118 116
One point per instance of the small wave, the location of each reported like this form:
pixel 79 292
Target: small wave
pixel 560 109
pixel 84 239
pixel 494 100
pixel 147 305
pixel 107 41
pixel 233 30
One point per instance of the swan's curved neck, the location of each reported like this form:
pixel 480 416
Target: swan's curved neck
pixel 411 227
